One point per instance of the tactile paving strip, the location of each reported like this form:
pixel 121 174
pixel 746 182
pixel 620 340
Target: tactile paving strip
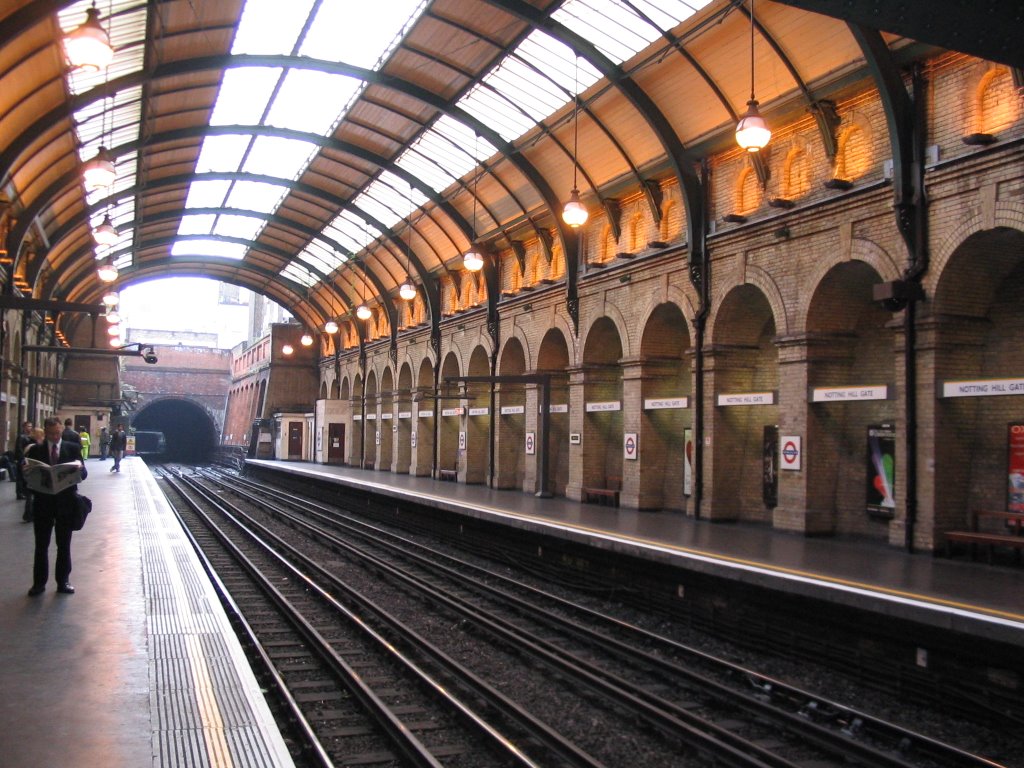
pixel 202 713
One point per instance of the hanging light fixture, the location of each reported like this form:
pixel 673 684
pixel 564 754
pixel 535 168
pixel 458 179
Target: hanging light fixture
pixel 331 326
pixel 107 271
pixel 113 317
pixel 307 339
pixel 363 312
pixel 407 290
pixel 114 330
pixel 88 46
pixel 111 298
pixel 574 212
pixel 752 132
pixel 99 171
pixel 287 349
pixel 472 259
pixel 106 233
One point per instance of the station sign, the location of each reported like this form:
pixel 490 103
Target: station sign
pixel 386 416
pixel 747 398
pixel 371 417
pixel 609 405
pixel 425 414
pixel 790 455
pixel 452 411
pixel 479 411
pixel 510 410
pixel 666 403
pixel 630 446
pixel 846 394
pixel 983 388
pixel 357 417
pixel 405 414
pixel 531 444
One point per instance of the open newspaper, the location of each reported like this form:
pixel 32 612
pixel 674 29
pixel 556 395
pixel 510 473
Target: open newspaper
pixel 44 478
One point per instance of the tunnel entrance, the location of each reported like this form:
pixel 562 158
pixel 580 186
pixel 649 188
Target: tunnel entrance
pixel 189 432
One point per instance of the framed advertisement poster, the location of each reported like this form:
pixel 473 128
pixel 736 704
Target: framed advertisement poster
pixel 687 462
pixel 1015 467
pixel 770 466
pixel 881 471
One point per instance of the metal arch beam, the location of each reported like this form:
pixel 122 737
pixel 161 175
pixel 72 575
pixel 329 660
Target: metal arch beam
pixel 989 29
pixel 682 165
pixel 316 192
pixel 208 63
pixel 20 230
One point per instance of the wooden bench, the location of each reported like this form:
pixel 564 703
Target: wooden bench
pixel 606 497
pixel 448 475
pixel 1011 520
pixel 989 540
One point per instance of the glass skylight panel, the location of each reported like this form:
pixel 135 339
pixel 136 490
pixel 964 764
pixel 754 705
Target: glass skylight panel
pixel 374 30
pixel 256 196
pixel 214 248
pixel 244 227
pixel 278 156
pixel 243 96
pixel 620 29
pixel 311 101
pixel 207 194
pixel 321 258
pixel 196 224
pixel 350 231
pixel 300 275
pixel 270 26
pixel 531 91
pixel 497 112
pixel 222 154
pixel 389 199
pixel 425 168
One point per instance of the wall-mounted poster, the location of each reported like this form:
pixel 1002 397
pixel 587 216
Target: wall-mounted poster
pixel 881 485
pixel 770 466
pixel 687 462
pixel 1015 502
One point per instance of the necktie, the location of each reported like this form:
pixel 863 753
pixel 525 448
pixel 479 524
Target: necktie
pixel 53 453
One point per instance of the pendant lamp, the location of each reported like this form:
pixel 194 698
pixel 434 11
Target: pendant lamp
pixel 574 212
pixel 88 47
pixel 752 132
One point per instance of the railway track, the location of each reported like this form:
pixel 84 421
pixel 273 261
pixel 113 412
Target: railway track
pixel 573 665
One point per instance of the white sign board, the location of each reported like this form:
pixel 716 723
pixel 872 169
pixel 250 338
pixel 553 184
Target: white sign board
pixel 425 414
pixel 405 414
pixel 386 416
pixel 479 411
pixel 509 410
pixel 451 411
pixel 610 405
pixel 747 398
pixel 983 388
pixel 666 403
pixel 845 394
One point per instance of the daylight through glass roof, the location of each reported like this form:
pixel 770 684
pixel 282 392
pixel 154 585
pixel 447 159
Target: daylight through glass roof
pixel 526 87
pixel 303 100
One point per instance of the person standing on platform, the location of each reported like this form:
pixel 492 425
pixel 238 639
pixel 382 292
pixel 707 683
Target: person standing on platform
pixel 38 436
pixel 53 512
pixel 104 439
pixel 118 441
pixel 69 432
pixel 24 441
pixel 86 441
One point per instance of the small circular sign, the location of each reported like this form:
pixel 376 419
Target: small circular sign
pixel 790 452
pixel 630 446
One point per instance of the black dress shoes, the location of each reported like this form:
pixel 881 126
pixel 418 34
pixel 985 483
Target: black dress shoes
pixel 36 590
pixel 65 589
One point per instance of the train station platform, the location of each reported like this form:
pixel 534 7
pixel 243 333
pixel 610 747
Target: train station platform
pixel 958 595
pixel 140 666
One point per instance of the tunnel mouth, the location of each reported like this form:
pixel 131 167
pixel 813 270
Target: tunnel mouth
pixel 189 434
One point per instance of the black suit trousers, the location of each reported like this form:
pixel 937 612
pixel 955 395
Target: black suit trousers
pixel 45 522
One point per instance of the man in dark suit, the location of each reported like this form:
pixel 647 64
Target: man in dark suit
pixel 53 511
pixel 69 433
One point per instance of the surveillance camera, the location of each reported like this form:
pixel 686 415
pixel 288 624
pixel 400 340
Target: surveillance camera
pixel 150 358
